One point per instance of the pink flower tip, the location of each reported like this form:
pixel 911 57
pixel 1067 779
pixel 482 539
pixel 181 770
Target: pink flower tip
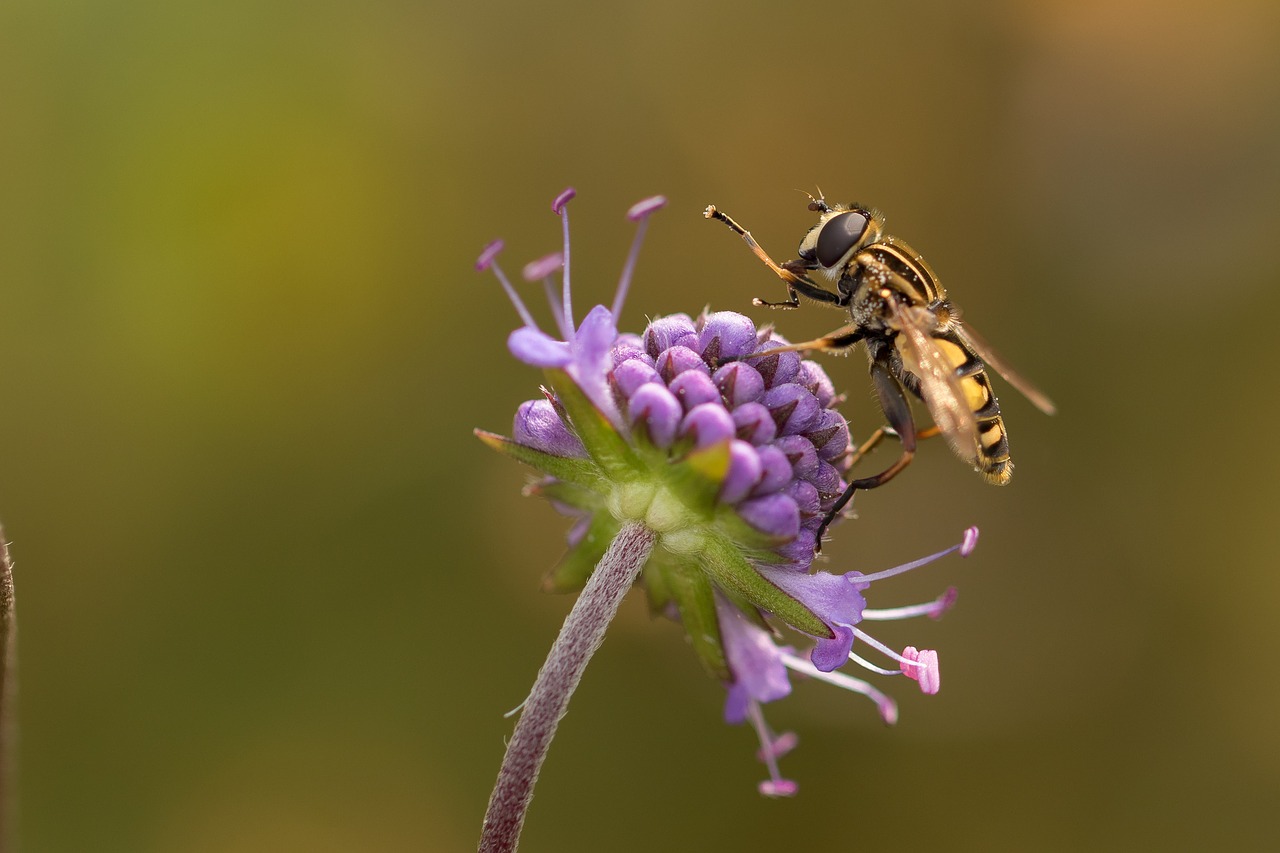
pixel 543 267
pixel 778 747
pixel 969 542
pixel 778 788
pixel 922 667
pixel 490 252
pixel 558 203
pixel 641 209
pixel 944 603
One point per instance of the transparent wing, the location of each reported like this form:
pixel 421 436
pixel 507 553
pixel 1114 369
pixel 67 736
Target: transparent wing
pixel 939 385
pixel 983 350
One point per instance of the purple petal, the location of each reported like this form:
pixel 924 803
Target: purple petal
pixel 538 348
pixel 835 600
pixel 754 659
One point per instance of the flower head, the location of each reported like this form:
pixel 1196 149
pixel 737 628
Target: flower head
pixel 730 451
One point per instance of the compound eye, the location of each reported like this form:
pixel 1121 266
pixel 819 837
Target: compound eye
pixel 839 234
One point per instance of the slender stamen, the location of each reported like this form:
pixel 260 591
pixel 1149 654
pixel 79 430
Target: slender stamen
pixel 888 709
pixel 639 212
pixel 775 786
pixel 932 609
pixel 559 207
pixel 542 269
pixel 877 645
pixel 488 260
pixel 965 548
pixel 866 664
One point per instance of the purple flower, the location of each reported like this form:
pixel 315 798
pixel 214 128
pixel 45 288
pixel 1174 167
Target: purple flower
pixel 731 452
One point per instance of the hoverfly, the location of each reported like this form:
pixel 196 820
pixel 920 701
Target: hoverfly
pixel 912 332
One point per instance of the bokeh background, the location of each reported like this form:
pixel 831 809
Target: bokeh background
pixel 274 596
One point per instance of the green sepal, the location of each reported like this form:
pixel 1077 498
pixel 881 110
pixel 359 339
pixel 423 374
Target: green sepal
pixel 695 597
pixel 566 493
pixel 655 580
pixel 571 573
pixel 729 568
pixel 607 447
pixel 571 469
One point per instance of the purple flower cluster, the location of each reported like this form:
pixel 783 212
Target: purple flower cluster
pixel 731 452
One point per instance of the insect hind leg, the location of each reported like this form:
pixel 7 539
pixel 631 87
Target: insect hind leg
pixel 897 411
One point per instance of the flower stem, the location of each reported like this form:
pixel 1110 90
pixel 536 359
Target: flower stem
pixel 582 634
pixel 8 688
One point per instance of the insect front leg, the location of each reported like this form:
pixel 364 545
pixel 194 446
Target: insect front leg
pixel 897 411
pixel 791 272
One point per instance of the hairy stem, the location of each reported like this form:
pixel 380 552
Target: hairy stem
pixel 8 688
pixel 581 635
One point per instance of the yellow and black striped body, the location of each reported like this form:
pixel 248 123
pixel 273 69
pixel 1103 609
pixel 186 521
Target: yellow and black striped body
pixel 890 269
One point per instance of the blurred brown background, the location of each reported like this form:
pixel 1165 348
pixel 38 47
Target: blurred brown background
pixel 274 596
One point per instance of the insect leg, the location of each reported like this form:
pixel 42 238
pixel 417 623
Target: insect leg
pixel 794 280
pixel 897 411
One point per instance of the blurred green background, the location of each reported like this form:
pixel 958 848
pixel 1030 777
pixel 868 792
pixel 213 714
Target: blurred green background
pixel 274 596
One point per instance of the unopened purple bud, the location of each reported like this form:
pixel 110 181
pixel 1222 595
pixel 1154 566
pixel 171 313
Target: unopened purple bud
pixel 829 434
pixel 643 208
pixel 754 423
pixel 655 410
pixel 538 426
pixel 666 332
pixel 677 360
pixel 777 470
pixel 739 383
pixel 726 334
pixel 801 453
pixel 543 267
pixel 744 472
pixel 707 424
pixel 631 374
pixel 693 388
pixel 629 346
pixel 799 551
pixel 776 515
pixel 813 377
pixel 785 365
pixel 794 409
pixel 827 479
pixel 561 200
pixel 806 497
pixel 488 254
